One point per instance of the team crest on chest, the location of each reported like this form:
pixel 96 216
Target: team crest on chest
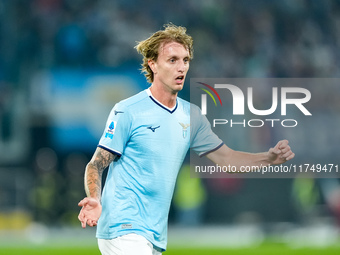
pixel 185 129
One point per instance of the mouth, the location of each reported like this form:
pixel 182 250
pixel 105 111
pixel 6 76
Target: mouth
pixel 180 79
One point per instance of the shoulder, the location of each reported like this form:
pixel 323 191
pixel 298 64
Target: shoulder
pixel 133 101
pixel 187 106
pixel 128 107
pixel 183 102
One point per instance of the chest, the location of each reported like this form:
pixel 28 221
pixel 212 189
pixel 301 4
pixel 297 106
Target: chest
pixel 160 133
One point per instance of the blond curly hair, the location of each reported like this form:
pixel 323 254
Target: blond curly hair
pixel 149 48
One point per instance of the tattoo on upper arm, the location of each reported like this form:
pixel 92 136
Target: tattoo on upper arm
pixel 102 158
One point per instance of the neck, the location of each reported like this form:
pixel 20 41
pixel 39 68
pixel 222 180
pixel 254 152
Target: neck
pixel 165 97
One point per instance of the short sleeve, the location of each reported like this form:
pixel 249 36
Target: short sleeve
pixel 117 130
pixel 202 139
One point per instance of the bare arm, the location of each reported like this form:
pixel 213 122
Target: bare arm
pixel 225 156
pixel 91 207
pixel 94 170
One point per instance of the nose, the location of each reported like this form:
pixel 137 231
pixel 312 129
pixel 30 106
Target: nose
pixel 182 66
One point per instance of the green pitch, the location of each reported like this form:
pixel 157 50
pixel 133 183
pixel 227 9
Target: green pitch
pixel 265 249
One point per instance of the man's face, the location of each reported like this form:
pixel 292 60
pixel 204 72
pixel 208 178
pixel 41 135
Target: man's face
pixel 171 66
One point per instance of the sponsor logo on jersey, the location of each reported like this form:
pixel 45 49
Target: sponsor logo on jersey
pixel 153 129
pixel 111 130
pixel 116 112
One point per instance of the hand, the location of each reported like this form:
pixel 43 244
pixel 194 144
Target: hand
pixel 90 211
pixel 280 153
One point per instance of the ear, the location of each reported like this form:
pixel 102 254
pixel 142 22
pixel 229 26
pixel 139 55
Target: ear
pixel 152 65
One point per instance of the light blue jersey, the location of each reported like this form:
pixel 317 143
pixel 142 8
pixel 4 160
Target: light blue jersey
pixel 151 142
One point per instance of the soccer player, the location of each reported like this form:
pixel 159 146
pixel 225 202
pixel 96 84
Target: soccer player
pixel 144 142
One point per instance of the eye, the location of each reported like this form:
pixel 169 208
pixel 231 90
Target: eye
pixel 172 60
pixel 186 60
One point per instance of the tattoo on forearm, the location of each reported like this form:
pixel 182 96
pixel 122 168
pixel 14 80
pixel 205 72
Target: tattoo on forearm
pixel 94 170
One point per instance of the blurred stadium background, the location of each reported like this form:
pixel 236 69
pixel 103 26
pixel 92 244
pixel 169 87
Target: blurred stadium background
pixel 65 63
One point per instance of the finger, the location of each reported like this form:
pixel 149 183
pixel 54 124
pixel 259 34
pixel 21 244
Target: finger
pixel 83 224
pixel 82 202
pixel 291 156
pixel 287 154
pixel 283 144
pixel 90 222
pixel 277 146
pixel 81 218
pixel 275 150
pixel 285 149
pixel 83 221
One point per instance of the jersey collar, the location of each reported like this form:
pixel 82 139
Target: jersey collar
pixel 171 110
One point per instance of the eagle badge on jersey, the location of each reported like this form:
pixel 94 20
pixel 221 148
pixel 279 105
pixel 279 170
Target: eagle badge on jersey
pixel 185 129
pixel 111 130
